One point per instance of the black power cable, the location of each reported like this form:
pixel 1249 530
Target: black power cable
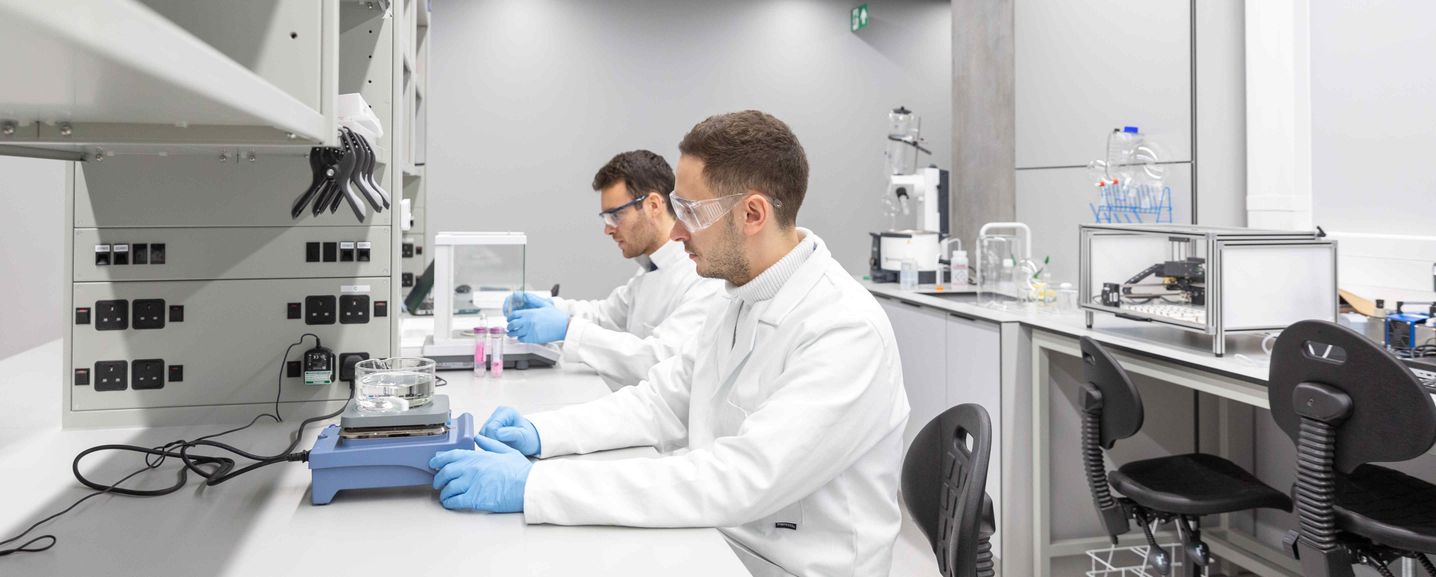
pixel 214 469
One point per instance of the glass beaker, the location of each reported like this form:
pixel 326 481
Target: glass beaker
pixel 907 275
pixel 997 270
pixel 1066 298
pixel 393 385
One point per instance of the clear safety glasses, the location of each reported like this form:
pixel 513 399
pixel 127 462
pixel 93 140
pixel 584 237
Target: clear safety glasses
pixel 697 215
pixel 610 216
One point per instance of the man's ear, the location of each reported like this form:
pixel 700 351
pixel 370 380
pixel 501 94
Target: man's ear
pixel 756 212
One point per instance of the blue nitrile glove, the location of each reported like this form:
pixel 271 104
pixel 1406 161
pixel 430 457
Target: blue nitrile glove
pixel 538 326
pixel 521 300
pixel 510 428
pixel 491 478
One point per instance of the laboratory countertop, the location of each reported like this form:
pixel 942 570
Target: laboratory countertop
pixel 262 523
pixel 1244 358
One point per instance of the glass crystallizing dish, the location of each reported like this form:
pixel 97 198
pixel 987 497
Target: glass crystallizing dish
pixel 393 385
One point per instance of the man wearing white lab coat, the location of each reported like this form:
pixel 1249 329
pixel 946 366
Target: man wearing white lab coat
pixel 647 319
pixel 790 398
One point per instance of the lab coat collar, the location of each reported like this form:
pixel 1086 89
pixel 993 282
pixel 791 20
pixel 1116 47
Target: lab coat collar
pixel 790 292
pixel 670 255
pixel 767 284
pixel 802 281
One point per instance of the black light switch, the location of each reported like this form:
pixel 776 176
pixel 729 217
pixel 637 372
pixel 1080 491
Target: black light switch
pixel 381 308
pixel 176 313
pixel 82 377
pixel 176 373
pixel 296 311
pixel 293 369
pixel 82 316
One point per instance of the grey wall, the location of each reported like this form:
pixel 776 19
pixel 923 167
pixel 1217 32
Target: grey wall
pixel 32 258
pixel 530 97
pixel 1176 71
pixel 1371 139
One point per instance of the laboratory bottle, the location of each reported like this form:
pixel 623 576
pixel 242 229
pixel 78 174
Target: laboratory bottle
pixel 959 269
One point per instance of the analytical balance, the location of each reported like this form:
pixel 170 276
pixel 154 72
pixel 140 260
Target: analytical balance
pixel 474 272
pixel 386 437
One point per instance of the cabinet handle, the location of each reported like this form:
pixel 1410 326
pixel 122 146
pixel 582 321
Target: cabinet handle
pixel 912 304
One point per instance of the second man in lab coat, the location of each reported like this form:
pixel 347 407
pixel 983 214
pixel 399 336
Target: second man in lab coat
pixel 647 319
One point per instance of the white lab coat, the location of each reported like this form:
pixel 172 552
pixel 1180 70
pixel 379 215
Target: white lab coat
pixel 794 421
pixel 642 322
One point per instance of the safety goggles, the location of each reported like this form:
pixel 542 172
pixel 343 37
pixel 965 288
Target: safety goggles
pixel 610 216
pixel 697 215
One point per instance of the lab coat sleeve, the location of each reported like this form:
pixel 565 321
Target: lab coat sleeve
pixel 610 313
pixel 624 357
pixel 838 396
pixel 654 413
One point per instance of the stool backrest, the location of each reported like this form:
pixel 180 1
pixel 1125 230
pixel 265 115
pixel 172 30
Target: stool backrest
pixel 1111 411
pixel 1122 413
pixel 1392 417
pixel 944 480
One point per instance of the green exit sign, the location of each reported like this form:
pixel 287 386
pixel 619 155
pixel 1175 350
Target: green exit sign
pixel 860 18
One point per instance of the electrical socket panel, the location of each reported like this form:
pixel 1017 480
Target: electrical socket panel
pixel 149 314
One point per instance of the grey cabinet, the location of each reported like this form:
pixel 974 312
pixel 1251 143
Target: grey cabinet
pixel 974 375
pixel 922 345
pixel 948 360
pixel 1083 68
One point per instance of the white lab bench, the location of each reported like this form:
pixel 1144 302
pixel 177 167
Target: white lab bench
pixel 1016 364
pixel 262 523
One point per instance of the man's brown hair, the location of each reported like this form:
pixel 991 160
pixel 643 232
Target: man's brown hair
pixel 751 150
pixel 641 171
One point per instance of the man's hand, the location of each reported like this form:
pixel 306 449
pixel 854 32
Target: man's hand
pixel 510 428
pixel 522 300
pixel 491 478
pixel 538 326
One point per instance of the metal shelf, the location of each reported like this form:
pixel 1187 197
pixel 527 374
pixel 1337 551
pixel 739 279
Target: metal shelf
pixel 81 74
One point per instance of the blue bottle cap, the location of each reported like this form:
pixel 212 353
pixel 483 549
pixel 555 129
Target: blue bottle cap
pixel 1129 129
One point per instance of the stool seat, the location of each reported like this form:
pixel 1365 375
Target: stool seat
pixel 1194 484
pixel 1388 507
